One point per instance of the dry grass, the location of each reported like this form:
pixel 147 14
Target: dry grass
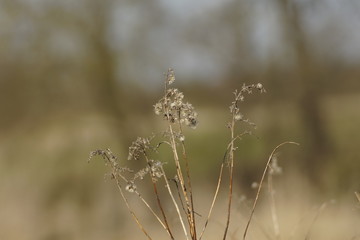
pixel 174 207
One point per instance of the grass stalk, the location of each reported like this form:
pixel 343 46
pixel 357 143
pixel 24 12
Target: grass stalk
pixel 179 172
pixel 219 183
pixel 213 201
pixel 231 177
pixel 165 224
pixel 261 183
pixel 175 203
pixel 186 190
pixel 130 209
pixel 191 211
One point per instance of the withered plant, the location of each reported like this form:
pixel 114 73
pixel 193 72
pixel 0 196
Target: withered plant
pixel 179 114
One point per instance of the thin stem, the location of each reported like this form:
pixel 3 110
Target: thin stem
pixel 187 168
pixel 213 201
pixel 180 175
pixel 151 210
pixel 162 211
pixel 116 176
pixel 129 208
pixel 231 175
pixel 167 227
pixel 175 204
pixel 261 182
pixel 167 111
pixel 179 195
pixel 218 184
pixel 258 225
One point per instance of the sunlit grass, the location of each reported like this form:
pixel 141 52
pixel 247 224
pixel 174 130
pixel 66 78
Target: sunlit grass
pixel 175 208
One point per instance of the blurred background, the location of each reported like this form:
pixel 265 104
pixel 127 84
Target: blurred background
pixel 76 76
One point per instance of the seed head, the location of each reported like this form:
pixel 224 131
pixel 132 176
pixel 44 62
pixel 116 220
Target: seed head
pixel 130 187
pixel 182 138
pixel 238 117
pixel 158 108
pixel 170 76
pixel 260 87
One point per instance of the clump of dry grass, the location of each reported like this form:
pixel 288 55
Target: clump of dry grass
pixel 178 114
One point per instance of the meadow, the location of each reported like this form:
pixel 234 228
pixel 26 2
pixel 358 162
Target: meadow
pixel 163 200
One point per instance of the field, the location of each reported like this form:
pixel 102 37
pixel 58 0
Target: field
pixel 49 191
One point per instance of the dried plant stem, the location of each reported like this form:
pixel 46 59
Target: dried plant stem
pixel 173 142
pixel 258 224
pixel 165 224
pixel 177 162
pixel 129 208
pixel 213 201
pixel 182 182
pixel 115 175
pixel 191 211
pixel 261 182
pixel 231 177
pixel 273 207
pixel 236 116
pixel 218 184
pixel 176 111
pixel 175 204
pixel 179 195
pixel 231 174
pixel 152 211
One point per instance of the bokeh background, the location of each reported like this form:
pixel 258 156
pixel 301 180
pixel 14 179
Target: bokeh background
pixel 80 75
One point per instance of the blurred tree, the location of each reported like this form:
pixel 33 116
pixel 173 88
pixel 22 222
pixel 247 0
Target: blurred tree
pixel 308 72
pixel 58 57
pixel 102 60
